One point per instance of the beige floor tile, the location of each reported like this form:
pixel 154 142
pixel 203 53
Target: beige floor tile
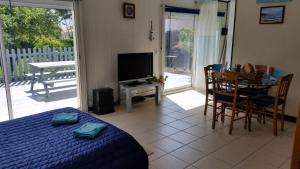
pixel 151 166
pixel 149 137
pixel 211 163
pixel 286 165
pixel 157 153
pixel 167 145
pixel 166 111
pixel 166 130
pixel 188 154
pixel 199 131
pixel 169 162
pixel 191 167
pixel 257 166
pixel 193 120
pixel 264 158
pixel 219 138
pixel 235 152
pixel 180 125
pixel 166 119
pixel 183 137
pixel 175 107
pixel 205 146
pixel 281 145
pixel 178 115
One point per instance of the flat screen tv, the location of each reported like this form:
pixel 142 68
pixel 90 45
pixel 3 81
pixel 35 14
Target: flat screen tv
pixel 133 66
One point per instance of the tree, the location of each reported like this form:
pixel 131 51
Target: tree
pixel 186 39
pixel 26 27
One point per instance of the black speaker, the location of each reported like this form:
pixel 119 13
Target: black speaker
pixel 103 101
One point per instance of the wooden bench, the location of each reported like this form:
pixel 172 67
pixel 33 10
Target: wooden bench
pixel 52 78
pixel 58 73
pixel 51 83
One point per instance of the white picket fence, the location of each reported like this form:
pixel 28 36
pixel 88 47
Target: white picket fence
pixel 18 60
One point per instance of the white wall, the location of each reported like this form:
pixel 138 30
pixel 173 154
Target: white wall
pixel 106 33
pixel 276 45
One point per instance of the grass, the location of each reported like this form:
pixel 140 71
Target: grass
pixel 0 72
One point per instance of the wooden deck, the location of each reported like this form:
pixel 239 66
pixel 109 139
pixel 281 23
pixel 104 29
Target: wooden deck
pixel 24 103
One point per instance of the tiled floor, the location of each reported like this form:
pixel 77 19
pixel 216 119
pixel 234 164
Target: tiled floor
pixel 181 137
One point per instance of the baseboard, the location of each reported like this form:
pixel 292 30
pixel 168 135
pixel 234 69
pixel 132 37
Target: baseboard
pixel 286 117
pixel 290 118
pixel 90 109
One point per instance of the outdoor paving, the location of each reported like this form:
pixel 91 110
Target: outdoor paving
pixel 177 80
pixel 24 103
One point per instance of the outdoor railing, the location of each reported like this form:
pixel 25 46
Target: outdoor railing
pixel 18 60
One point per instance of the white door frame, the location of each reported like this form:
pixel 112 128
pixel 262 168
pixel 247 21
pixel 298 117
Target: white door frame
pixel 72 5
pixel 5 73
pixel 80 58
pixel 51 4
pixel 162 66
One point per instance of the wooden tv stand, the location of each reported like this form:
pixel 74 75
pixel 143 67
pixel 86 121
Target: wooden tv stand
pixel 127 89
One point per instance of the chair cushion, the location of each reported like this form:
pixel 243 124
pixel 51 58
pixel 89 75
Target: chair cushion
pixel 265 100
pixel 217 67
pixel 277 73
pixel 248 91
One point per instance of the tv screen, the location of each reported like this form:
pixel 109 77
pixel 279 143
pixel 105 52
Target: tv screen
pixel 135 66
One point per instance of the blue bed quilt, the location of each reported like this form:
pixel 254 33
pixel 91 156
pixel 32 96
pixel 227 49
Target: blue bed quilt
pixel 32 142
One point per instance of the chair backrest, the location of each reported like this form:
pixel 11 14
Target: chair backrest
pixel 283 87
pixel 296 150
pixel 208 73
pixel 225 84
pixel 263 69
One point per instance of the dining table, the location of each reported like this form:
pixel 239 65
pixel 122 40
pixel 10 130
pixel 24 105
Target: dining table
pixel 252 84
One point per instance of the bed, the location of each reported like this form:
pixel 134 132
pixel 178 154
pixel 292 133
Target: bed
pixel 32 142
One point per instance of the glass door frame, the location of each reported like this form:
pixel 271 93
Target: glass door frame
pixel 5 73
pixel 163 52
pixel 80 82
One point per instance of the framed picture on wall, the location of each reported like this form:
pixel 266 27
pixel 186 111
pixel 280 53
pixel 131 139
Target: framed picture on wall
pixel 272 15
pixel 129 10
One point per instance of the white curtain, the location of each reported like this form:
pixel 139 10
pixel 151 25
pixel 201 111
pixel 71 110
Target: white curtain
pixel 206 41
pixel 80 57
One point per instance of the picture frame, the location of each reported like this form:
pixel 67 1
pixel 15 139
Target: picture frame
pixel 129 10
pixel 272 15
pixel 271 1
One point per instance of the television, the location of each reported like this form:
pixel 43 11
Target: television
pixel 134 66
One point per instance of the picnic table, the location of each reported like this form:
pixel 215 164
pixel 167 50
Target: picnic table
pixel 47 73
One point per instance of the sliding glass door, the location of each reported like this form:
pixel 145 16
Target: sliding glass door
pixel 39 58
pixel 5 102
pixel 179 43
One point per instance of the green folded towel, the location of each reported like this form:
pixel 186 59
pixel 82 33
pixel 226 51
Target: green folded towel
pixel 64 118
pixel 89 130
